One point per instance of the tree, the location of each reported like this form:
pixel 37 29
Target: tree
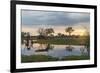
pixel 41 31
pixel 27 40
pixel 23 34
pixel 87 39
pixel 60 34
pixel 69 30
pixel 49 31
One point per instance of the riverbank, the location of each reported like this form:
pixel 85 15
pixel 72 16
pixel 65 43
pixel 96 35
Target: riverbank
pixel 82 40
pixel 62 41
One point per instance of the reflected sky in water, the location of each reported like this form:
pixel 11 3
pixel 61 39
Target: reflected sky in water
pixel 58 51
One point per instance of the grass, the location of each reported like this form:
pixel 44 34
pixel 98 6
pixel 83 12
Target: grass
pixel 61 41
pixel 37 58
pixel 82 57
pixel 44 58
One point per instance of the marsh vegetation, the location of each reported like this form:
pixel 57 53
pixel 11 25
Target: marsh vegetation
pixel 48 47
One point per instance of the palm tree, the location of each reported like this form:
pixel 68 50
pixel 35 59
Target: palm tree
pixel 69 30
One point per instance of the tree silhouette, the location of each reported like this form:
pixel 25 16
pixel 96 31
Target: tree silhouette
pixel 49 31
pixel 59 34
pixel 23 34
pixel 87 40
pixel 27 40
pixel 41 31
pixel 69 30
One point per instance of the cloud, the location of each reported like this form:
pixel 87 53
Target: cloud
pixel 30 18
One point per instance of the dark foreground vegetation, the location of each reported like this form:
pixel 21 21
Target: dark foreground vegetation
pixel 44 58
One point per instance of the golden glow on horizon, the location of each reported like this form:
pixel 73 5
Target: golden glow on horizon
pixel 77 31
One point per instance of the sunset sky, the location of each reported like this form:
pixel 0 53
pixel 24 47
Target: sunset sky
pixel 33 20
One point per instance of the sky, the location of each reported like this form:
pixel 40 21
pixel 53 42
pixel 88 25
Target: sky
pixel 32 20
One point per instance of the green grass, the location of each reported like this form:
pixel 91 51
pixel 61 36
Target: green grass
pixel 37 58
pixel 82 57
pixel 44 58
pixel 61 41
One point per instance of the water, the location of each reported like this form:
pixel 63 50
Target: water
pixel 58 51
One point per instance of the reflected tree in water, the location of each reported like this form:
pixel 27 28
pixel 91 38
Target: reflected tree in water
pixel 69 48
pixel 87 40
pixel 32 42
pixel 28 41
pixel 23 34
pixel 46 48
pixel 69 30
pixel 82 49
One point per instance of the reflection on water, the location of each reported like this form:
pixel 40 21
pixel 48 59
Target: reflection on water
pixel 46 48
pixel 58 51
pixel 69 48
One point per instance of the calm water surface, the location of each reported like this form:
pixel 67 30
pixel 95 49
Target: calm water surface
pixel 58 51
